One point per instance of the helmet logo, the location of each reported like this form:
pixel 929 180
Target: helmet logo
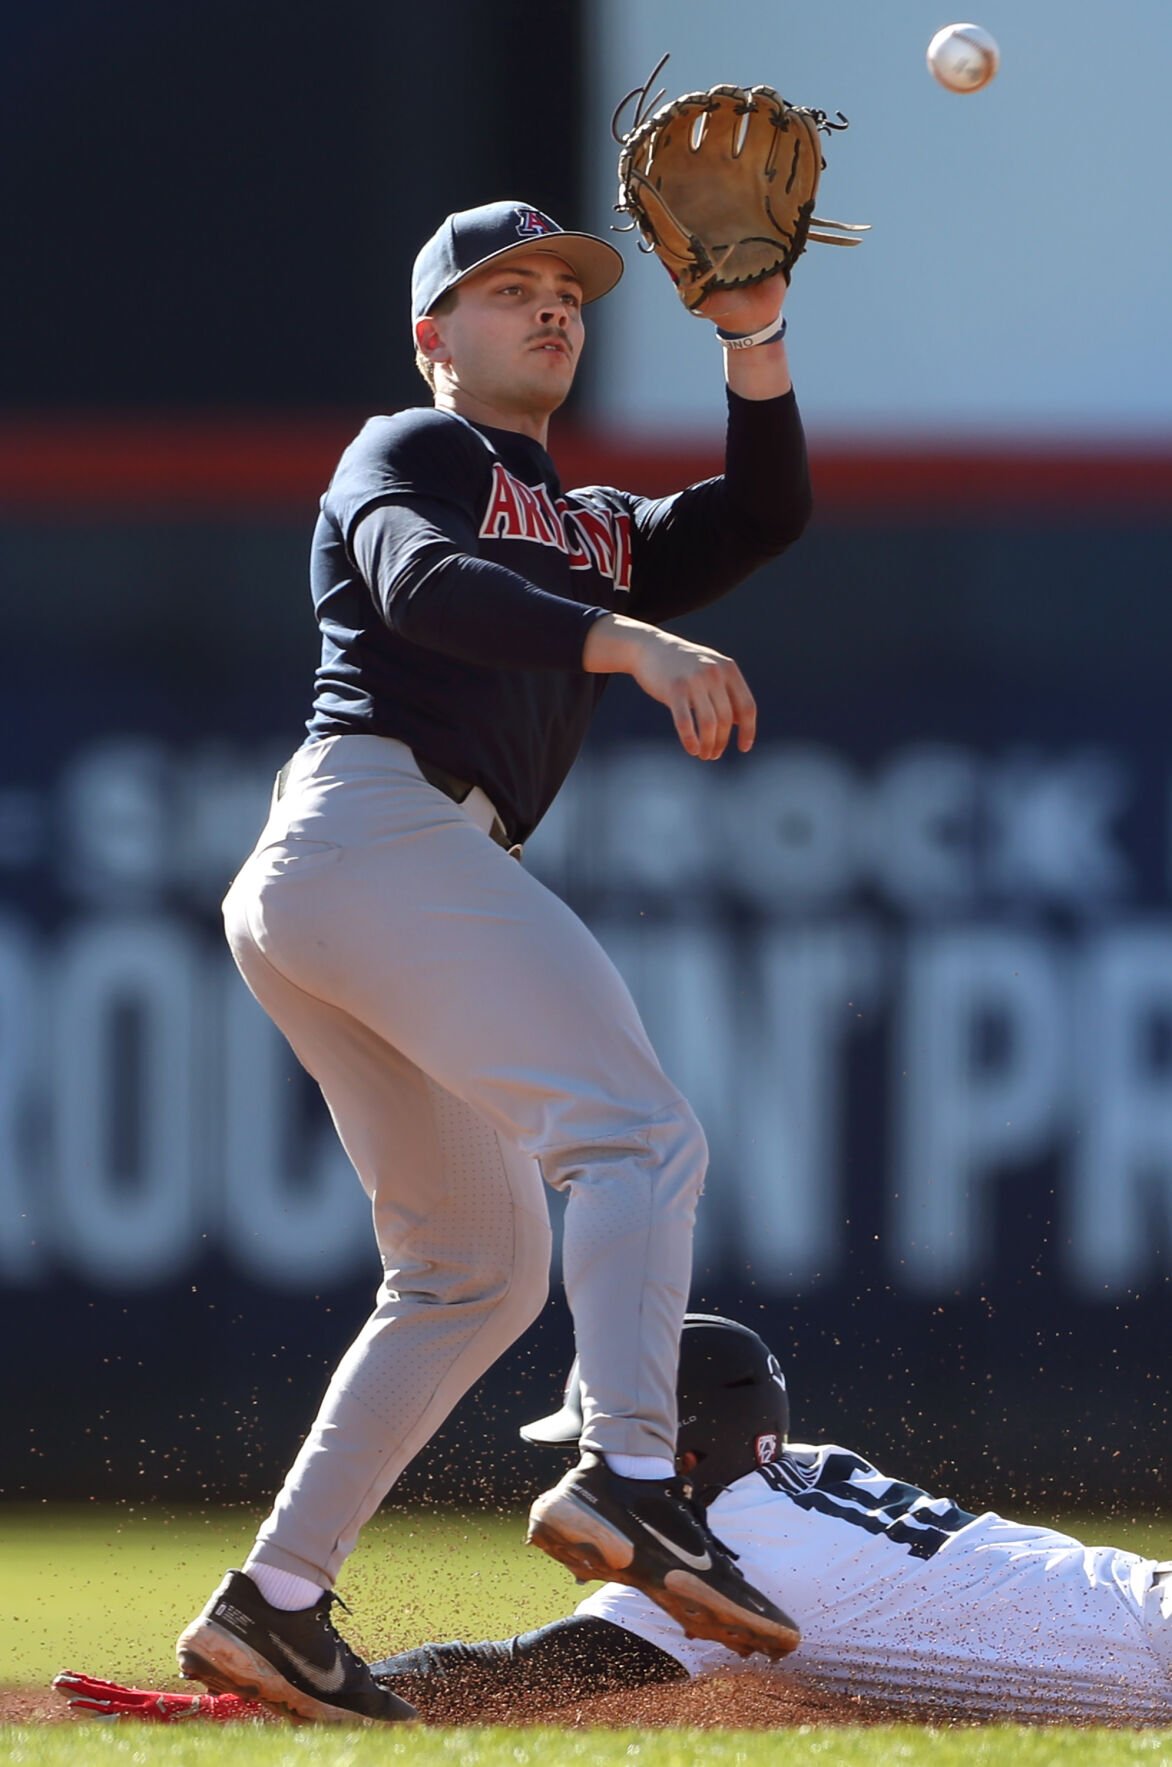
pixel 765 1449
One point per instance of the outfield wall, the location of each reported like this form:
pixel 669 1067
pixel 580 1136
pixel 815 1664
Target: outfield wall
pixel 911 960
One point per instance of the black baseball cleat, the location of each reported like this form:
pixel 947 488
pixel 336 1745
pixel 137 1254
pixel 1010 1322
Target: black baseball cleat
pixel 648 1534
pixel 298 1662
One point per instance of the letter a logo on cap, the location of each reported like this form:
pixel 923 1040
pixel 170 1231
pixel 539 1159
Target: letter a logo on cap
pixel 531 225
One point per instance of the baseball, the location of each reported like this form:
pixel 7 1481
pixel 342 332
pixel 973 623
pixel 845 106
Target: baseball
pixel 963 57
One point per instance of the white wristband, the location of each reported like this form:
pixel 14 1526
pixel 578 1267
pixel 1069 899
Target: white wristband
pixel 768 334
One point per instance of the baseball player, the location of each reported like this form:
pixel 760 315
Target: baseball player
pixel 470 1037
pixel 902 1597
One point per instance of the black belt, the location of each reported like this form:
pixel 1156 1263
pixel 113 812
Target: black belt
pixel 449 783
pixel 458 789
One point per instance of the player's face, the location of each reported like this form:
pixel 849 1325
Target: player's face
pixel 515 335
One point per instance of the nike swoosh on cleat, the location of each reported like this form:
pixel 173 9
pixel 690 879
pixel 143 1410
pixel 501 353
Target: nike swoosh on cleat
pixel 698 1562
pixel 325 1680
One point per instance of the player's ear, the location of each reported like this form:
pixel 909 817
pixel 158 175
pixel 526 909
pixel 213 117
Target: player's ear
pixel 429 340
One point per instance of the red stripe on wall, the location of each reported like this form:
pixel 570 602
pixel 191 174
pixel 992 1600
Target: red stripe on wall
pixel 237 464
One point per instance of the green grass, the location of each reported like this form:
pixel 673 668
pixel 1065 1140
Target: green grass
pixel 106 1591
pixel 894 1746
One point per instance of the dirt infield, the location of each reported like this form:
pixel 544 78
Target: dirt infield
pixel 720 1702
pixel 24 1705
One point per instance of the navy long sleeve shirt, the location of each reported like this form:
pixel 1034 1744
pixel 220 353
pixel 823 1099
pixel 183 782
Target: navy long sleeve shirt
pixel 455 582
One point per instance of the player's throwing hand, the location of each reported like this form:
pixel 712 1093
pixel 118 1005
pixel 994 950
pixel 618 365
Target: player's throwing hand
pixel 704 691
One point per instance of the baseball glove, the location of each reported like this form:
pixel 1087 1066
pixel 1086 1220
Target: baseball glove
pixel 722 183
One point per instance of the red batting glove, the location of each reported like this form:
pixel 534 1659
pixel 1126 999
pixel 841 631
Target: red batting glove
pixel 107 1699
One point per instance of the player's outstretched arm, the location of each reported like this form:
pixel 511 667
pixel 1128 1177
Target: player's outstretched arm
pixel 704 691
pixel 569 1659
pixel 695 546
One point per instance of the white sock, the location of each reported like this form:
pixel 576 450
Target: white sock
pixel 283 1589
pixel 640 1466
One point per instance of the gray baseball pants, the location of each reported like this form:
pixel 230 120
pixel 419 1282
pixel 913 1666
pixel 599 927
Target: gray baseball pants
pixel 471 1040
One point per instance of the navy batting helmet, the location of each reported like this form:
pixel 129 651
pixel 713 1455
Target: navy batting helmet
pixel 733 1406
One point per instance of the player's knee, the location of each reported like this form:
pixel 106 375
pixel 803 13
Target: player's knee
pixel 670 1149
pixel 511 1283
pixel 696 1151
pixel 505 1303
pixel 685 1151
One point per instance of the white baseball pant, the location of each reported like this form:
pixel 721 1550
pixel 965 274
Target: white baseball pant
pixel 471 1039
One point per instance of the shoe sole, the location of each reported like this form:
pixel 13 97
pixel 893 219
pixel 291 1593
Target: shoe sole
pixel 207 1653
pixel 593 1548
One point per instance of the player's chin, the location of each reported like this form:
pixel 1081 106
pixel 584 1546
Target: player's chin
pixel 549 386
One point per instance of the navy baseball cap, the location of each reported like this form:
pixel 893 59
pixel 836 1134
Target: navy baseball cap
pixel 469 240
